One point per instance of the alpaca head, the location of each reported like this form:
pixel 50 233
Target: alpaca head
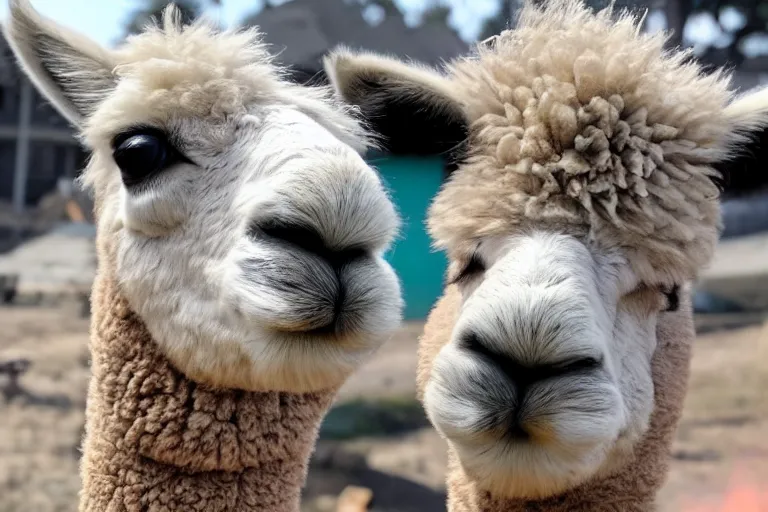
pixel 234 209
pixel 583 202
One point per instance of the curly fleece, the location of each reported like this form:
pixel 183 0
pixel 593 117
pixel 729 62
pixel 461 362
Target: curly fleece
pixel 579 119
pixel 157 441
pixel 631 489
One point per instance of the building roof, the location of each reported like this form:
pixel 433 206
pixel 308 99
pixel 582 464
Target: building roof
pixel 302 31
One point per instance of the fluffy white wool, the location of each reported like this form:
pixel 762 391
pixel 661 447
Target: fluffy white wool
pixel 579 119
pixel 229 302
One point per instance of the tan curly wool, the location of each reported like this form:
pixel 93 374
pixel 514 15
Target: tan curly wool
pixel 156 440
pixel 579 119
pixel 634 487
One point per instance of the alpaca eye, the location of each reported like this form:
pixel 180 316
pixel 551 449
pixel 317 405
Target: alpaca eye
pixel 474 267
pixel 673 298
pixel 141 154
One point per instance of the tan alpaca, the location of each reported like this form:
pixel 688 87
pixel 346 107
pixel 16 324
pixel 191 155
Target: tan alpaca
pixel 583 205
pixel 241 279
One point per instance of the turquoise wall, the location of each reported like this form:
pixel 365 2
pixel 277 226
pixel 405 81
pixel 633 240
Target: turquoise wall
pixel 413 183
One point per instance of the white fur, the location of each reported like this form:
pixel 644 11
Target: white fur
pixel 229 305
pixel 545 298
pixel 206 284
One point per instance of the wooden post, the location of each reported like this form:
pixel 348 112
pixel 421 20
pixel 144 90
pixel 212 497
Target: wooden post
pixel 354 499
pixel 13 369
pixel 21 167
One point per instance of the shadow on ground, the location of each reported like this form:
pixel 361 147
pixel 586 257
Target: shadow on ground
pixel 390 493
pixel 335 465
pixel 383 417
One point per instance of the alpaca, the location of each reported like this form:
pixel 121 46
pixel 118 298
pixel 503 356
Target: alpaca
pixel 241 277
pixel 582 204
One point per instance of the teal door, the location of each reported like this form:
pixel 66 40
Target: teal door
pixel 413 182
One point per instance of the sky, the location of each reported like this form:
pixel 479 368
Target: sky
pixel 103 20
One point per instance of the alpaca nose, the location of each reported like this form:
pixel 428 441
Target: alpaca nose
pixel 523 376
pixel 328 291
pixel 308 239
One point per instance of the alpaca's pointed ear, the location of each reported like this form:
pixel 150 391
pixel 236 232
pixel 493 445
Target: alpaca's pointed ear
pixel 746 168
pixel 411 108
pixel 73 72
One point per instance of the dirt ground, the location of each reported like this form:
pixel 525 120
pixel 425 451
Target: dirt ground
pixel 377 435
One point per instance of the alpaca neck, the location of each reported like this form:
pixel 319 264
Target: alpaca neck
pixel 155 439
pixel 633 488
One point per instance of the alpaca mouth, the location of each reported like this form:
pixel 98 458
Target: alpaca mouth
pixel 292 283
pixel 336 328
pixel 331 321
pixel 571 407
pixel 344 326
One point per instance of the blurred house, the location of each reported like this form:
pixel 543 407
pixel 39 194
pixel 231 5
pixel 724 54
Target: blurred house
pixel 302 31
pixel 37 145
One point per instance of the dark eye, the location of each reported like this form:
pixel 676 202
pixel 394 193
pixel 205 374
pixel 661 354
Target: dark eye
pixel 141 154
pixel 673 298
pixel 474 267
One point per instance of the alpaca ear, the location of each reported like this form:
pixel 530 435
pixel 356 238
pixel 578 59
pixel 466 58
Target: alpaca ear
pixel 746 169
pixel 410 108
pixel 73 72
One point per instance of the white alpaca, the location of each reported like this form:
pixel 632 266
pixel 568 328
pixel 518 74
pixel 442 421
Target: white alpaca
pixel 241 277
pixel 584 203
pixel 246 229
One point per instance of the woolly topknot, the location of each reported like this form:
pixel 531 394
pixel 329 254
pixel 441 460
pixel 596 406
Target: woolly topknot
pixel 579 119
pixel 172 71
pixel 191 70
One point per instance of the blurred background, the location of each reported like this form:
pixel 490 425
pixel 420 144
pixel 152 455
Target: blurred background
pixel 376 437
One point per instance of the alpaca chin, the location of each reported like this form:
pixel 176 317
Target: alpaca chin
pixel 564 432
pixel 531 471
pixel 282 324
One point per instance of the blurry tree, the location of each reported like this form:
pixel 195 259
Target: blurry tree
pixel 498 22
pixel 436 14
pixel 153 9
pixel 389 6
pixel 738 21
pixel 508 9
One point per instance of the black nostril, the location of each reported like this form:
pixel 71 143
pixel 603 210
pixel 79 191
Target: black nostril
pixel 516 431
pixel 301 236
pixel 307 238
pixel 577 365
pixel 524 375
pixel 338 259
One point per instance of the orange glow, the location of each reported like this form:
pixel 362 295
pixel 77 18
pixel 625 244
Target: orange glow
pixel 743 494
